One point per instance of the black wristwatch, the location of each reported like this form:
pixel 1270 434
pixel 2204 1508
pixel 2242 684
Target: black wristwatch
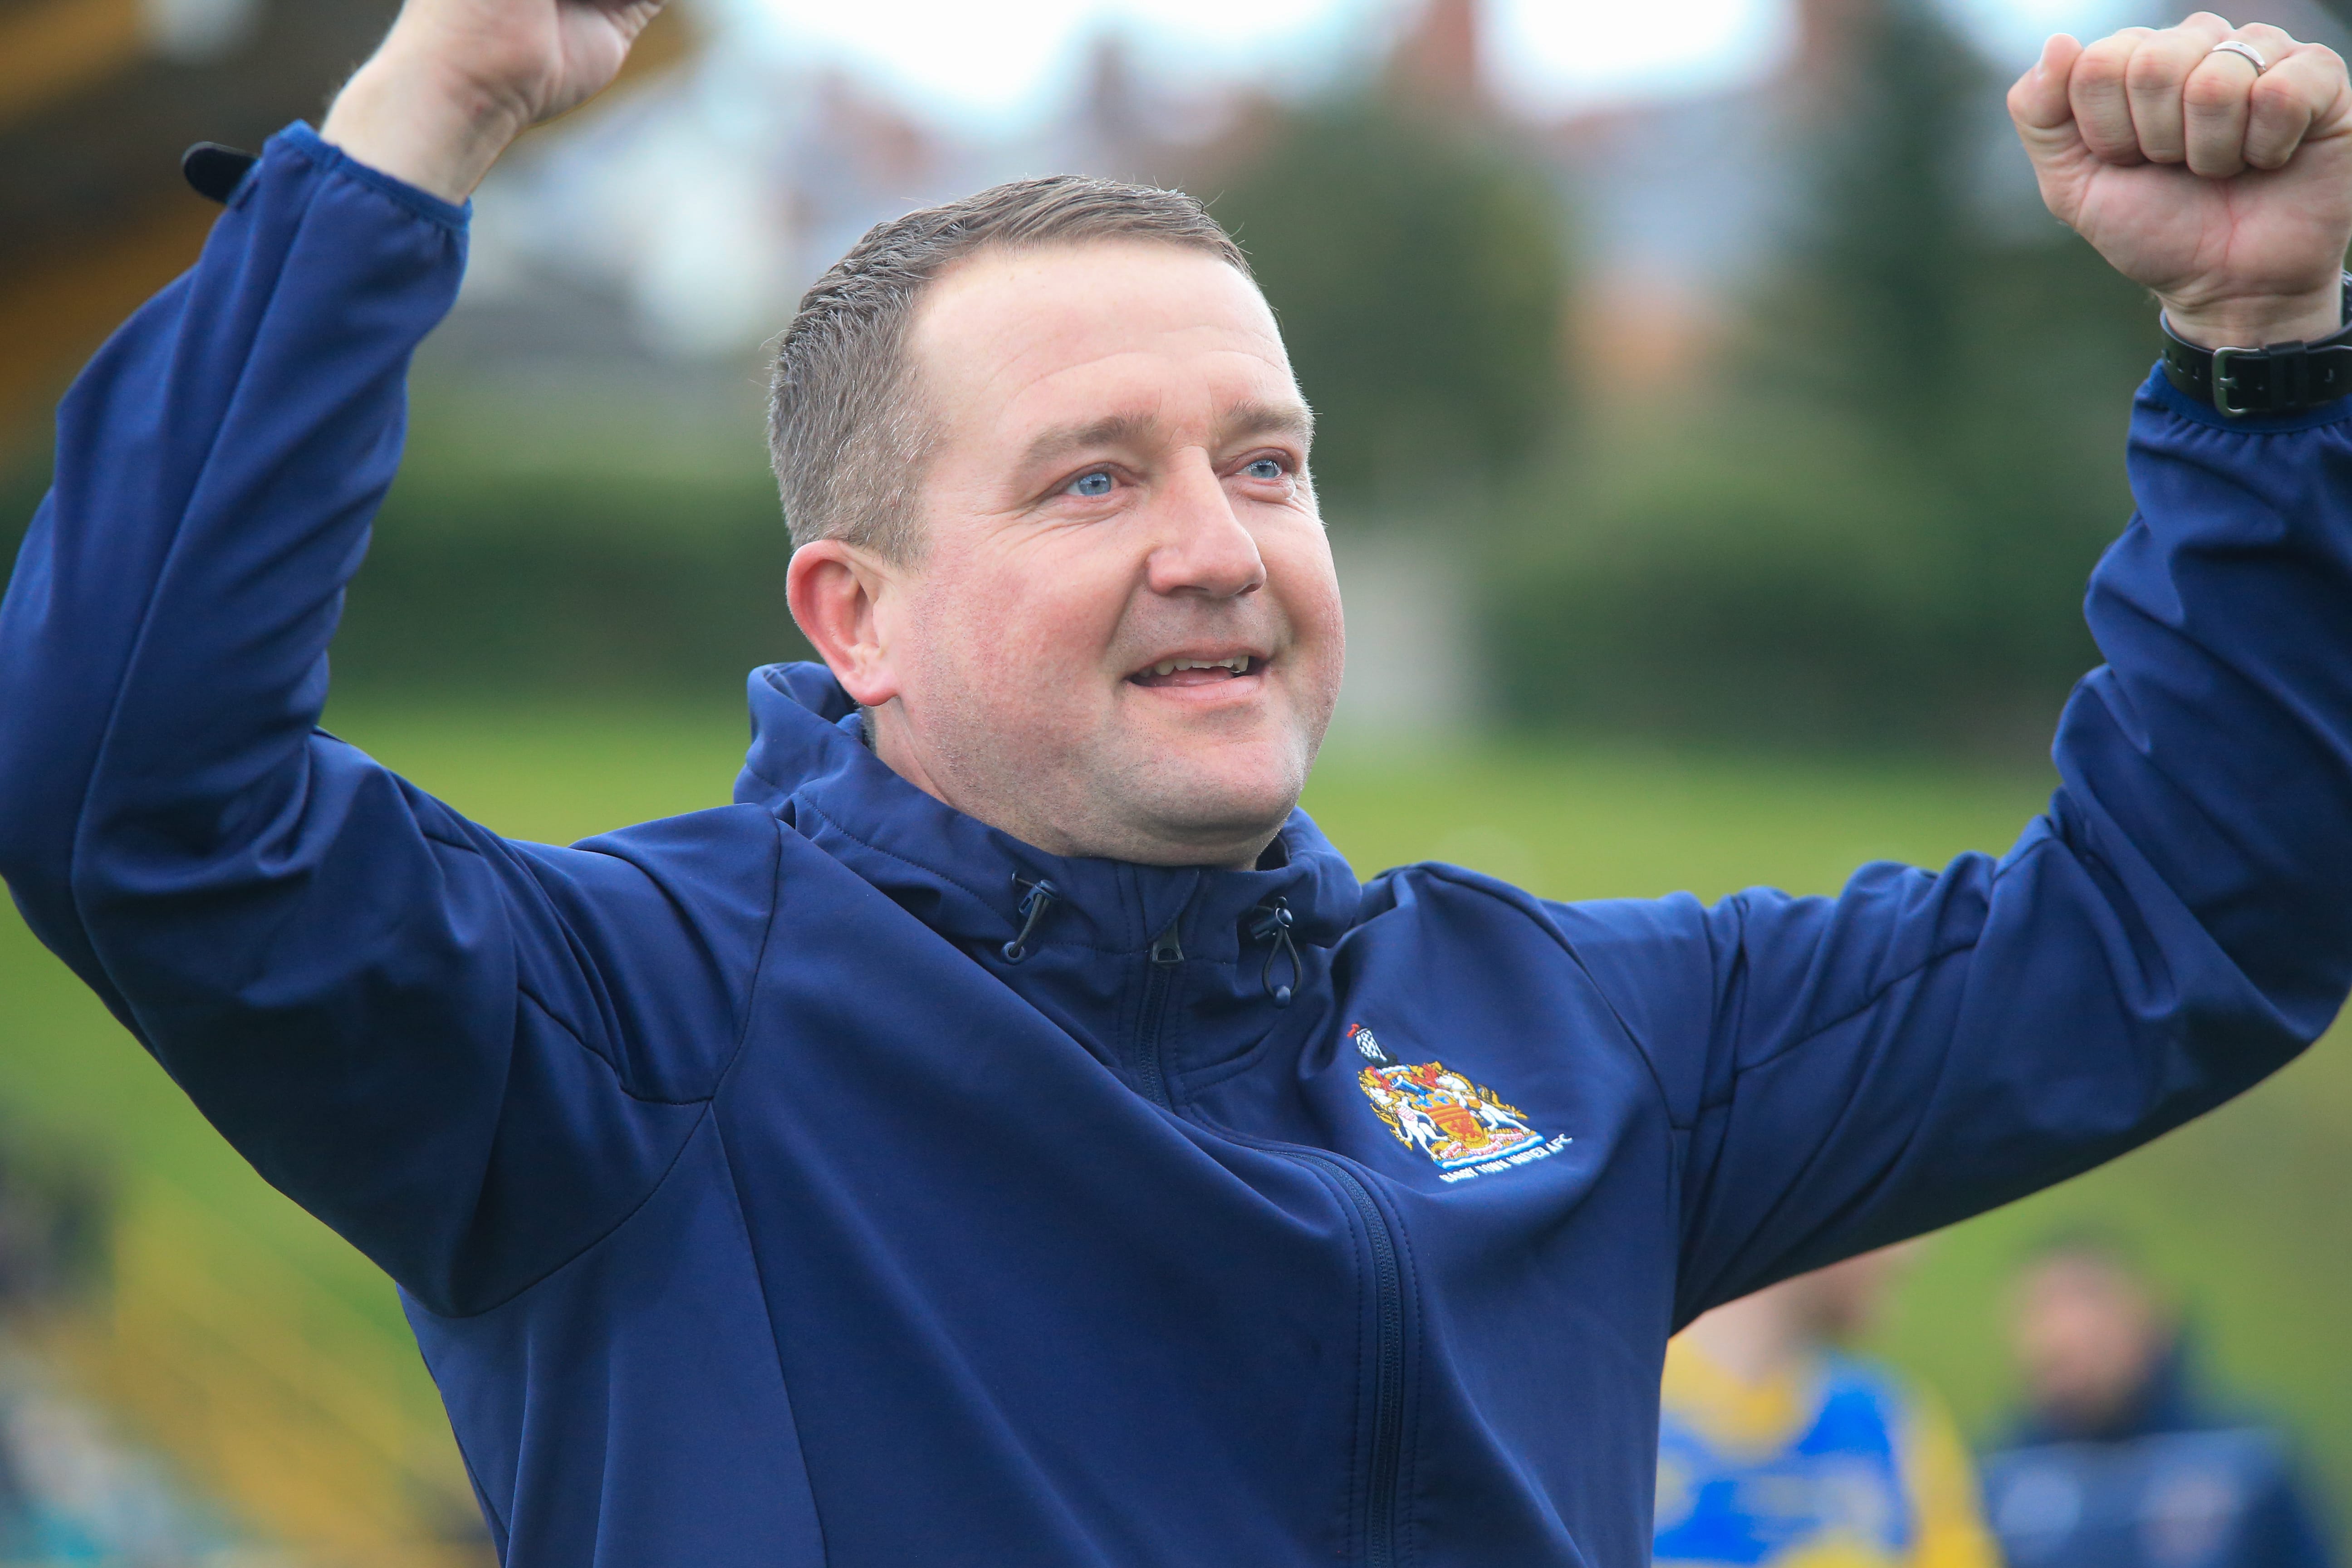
pixel 2277 378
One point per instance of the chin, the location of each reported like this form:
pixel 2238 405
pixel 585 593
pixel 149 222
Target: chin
pixel 1218 810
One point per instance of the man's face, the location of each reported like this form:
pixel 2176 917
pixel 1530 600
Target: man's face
pixel 2087 1337
pixel 1122 636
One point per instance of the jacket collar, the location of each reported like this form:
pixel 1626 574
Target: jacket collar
pixel 810 765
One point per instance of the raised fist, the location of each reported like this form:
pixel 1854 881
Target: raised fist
pixel 456 80
pixel 2220 177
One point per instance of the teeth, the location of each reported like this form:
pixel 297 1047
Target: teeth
pixel 1238 663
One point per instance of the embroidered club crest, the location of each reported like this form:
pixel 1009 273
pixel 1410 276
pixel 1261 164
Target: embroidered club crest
pixel 1462 1126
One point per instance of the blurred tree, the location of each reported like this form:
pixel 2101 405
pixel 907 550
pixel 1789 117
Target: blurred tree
pixel 1975 342
pixel 1882 532
pixel 1419 274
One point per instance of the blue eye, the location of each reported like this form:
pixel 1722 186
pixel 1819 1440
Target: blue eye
pixel 1264 469
pixel 1092 486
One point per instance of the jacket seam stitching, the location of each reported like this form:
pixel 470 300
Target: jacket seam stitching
pixel 601 1237
pixel 1876 995
pixel 767 1310
pixel 522 989
pixel 1559 938
pixel 481 1492
pixel 759 968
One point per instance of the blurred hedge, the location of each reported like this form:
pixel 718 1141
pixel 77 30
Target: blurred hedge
pixel 1876 524
pixel 510 582
pixel 513 583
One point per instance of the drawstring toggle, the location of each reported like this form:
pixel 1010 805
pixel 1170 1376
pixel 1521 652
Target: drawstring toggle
pixel 1273 921
pixel 1037 898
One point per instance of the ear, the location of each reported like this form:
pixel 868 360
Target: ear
pixel 837 591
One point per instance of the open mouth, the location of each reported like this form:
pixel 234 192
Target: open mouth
pixel 1184 672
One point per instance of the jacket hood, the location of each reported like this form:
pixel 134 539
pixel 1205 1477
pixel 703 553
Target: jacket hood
pixel 808 762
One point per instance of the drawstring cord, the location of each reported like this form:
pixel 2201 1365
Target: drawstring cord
pixel 1037 898
pixel 1274 918
pixel 1271 922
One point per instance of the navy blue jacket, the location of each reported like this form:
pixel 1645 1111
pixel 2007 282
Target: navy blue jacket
pixel 2172 1481
pixel 752 1207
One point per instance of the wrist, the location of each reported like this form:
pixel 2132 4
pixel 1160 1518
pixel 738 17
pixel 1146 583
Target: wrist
pixel 403 115
pixel 2264 373
pixel 2253 321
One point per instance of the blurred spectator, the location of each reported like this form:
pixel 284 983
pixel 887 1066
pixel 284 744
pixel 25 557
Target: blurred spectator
pixel 72 1494
pixel 2117 1462
pixel 1777 1446
pixel 16 1512
pixel 85 1499
pixel 53 1226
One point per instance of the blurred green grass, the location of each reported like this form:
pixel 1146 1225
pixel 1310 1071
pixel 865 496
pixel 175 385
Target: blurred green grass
pixel 2241 1211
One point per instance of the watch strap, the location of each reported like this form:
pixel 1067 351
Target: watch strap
pixel 2277 378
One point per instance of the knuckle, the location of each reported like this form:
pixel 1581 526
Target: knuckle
pixel 2101 68
pixel 2210 92
pixel 2151 70
pixel 2272 93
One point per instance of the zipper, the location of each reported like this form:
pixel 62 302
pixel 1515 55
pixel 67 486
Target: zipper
pixel 1159 981
pixel 1388 1367
pixel 1388 1274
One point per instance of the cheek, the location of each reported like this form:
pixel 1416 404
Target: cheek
pixel 1301 569
pixel 1028 629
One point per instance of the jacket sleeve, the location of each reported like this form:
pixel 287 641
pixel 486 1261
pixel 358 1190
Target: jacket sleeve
pixel 1844 1073
pixel 470 1057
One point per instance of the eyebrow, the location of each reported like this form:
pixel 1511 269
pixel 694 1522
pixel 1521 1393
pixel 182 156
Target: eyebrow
pixel 1237 423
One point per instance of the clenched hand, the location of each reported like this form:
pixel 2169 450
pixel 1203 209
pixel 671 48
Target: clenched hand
pixel 456 80
pixel 2225 189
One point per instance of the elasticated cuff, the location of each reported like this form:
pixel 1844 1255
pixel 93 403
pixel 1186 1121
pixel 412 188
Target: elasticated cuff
pixel 300 141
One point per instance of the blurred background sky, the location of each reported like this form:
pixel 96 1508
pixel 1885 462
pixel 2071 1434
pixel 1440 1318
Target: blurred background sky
pixel 1715 437
pixel 991 66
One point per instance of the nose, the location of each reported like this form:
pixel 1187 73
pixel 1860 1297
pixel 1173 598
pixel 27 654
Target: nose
pixel 1202 549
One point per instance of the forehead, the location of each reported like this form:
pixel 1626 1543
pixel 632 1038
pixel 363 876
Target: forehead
pixel 2082 1281
pixel 1021 337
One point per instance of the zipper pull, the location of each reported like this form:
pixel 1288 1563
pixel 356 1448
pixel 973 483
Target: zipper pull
pixel 1165 948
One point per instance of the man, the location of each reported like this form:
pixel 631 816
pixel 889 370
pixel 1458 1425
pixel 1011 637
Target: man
pixel 2118 1463
pixel 985 1142
pixel 1777 1447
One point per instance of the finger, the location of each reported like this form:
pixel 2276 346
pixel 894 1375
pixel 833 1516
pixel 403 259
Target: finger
pixel 2037 101
pixel 2294 94
pixel 2152 84
pixel 2217 102
pixel 2097 93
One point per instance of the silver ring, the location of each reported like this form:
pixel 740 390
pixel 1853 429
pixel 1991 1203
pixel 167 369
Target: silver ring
pixel 2240 47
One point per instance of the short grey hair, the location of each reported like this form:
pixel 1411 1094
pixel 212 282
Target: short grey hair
pixel 846 431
